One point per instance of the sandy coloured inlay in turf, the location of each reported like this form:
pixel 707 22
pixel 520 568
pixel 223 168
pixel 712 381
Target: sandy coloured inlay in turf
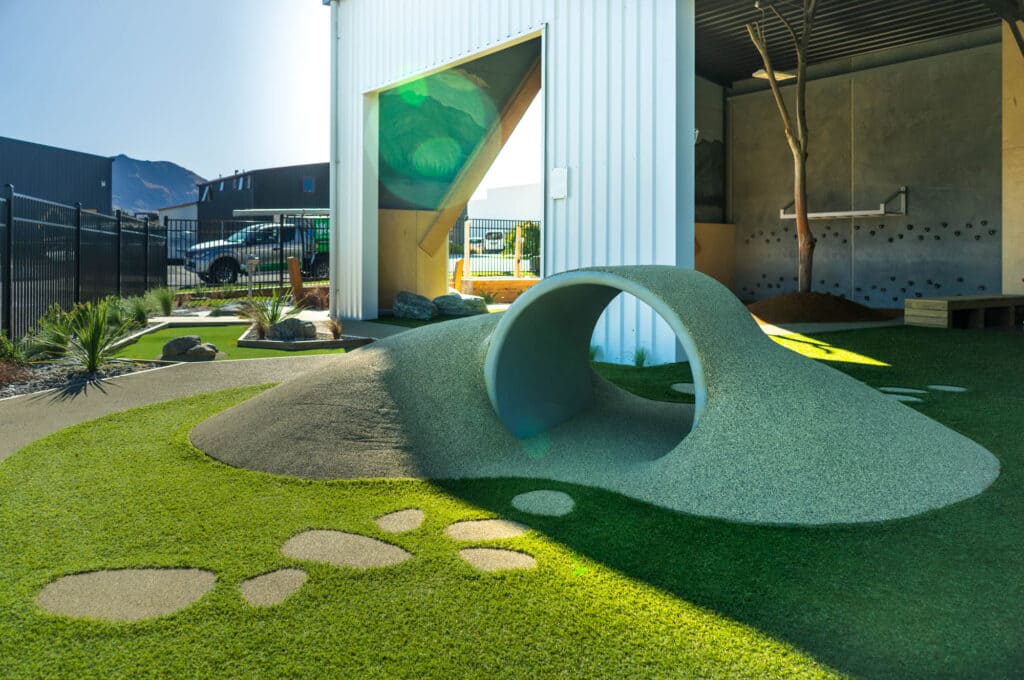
pixel 906 398
pixel 685 388
pixel 401 521
pixel 544 502
pixel 343 549
pixel 901 390
pixel 484 530
pixel 497 559
pixel 273 588
pixel 125 594
pixel 947 388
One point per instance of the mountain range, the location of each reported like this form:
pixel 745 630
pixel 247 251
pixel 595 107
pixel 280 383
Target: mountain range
pixel 145 186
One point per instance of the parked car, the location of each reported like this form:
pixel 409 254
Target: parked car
pixel 494 241
pixel 221 261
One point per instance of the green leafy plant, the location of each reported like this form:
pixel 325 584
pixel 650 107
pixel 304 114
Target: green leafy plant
pixel 640 357
pixel 94 335
pixel 50 339
pixel 531 240
pixel 265 312
pixel 87 335
pixel 138 310
pixel 11 351
pixel 162 299
pixel 488 297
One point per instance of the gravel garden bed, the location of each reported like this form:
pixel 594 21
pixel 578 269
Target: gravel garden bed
pixel 62 374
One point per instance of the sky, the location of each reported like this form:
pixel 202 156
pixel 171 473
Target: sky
pixel 212 85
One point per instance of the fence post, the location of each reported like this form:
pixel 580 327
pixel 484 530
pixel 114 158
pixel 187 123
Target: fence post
pixel 517 266
pixel 280 251
pixel 78 253
pixel 145 258
pixel 467 270
pixel 117 247
pixel 8 301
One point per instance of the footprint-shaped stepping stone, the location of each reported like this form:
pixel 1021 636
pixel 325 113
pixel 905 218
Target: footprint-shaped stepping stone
pixel 947 388
pixel 901 390
pixel 125 594
pixel 684 388
pixel 403 520
pixel 343 549
pixel 485 530
pixel 270 589
pixel 906 398
pixel 496 559
pixel 544 502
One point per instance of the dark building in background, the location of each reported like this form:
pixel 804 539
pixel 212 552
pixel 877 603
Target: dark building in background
pixel 293 186
pixel 56 174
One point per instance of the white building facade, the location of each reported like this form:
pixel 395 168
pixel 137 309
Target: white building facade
pixel 618 109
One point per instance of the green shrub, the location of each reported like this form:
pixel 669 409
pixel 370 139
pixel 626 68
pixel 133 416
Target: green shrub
pixel 50 339
pixel 639 357
pixel 162 300
pixel 265 312
pixel 94 334
pixel 11 351
pixel 87 334
pixel 139 309
pixel 531 240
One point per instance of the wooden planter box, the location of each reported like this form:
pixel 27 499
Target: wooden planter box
pixel 969 311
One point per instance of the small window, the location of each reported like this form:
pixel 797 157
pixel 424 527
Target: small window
pixel 239 183
pixel 220 187
pixel 206 194
pixel 248 182
pixel 309 185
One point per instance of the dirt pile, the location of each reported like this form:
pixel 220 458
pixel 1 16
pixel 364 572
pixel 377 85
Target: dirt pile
pixel 816 307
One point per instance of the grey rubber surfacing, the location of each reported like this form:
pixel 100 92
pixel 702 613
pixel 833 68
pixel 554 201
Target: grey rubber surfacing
pixel 779 439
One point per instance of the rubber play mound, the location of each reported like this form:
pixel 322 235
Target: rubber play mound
pixel 772 438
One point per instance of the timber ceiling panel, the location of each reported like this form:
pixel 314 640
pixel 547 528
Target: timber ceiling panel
pixel 843 28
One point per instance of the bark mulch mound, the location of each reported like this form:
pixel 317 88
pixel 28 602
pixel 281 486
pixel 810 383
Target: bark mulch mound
pixel 817 308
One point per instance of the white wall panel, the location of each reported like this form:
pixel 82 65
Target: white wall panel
pixel 618 114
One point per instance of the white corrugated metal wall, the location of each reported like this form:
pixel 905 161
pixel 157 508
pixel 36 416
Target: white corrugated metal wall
pixel 618 88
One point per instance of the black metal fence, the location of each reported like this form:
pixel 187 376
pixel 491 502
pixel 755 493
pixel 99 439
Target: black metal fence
pixel 492 247
pixel 220 253
pixel 55 253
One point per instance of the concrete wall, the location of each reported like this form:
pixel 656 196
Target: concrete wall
pixel 931 124
pixel 618 88
pixel 1013 166
pixel 709 153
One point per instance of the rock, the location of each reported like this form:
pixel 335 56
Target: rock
pixel 174 350
pixel 412 306
pixel 292 329
pixel 460 305
pixel 229 309
pixel 202 352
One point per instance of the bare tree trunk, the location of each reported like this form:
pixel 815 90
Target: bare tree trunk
pixel 805 239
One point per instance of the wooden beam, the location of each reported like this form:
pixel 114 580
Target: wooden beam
pixel 480 161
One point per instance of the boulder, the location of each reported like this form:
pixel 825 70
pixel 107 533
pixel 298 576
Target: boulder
pixel 201 352
pixel 175 349
pixel 454 304
pixel 292 329
pixel 229 309
pixel 412 306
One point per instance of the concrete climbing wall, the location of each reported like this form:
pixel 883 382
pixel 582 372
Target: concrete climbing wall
pixel 932 124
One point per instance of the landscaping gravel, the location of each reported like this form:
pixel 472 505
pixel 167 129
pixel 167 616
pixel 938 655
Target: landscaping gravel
pixel 65 375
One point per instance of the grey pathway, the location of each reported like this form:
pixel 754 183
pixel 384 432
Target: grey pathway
pixel 28 417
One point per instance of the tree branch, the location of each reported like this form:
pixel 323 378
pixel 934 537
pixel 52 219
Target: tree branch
pixel 756 33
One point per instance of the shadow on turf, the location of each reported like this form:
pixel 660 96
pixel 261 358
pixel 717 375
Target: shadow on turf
pixel 937 595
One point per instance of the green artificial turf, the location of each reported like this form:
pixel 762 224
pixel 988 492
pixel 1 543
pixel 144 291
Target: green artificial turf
pixel 622 588
pixel 224 337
